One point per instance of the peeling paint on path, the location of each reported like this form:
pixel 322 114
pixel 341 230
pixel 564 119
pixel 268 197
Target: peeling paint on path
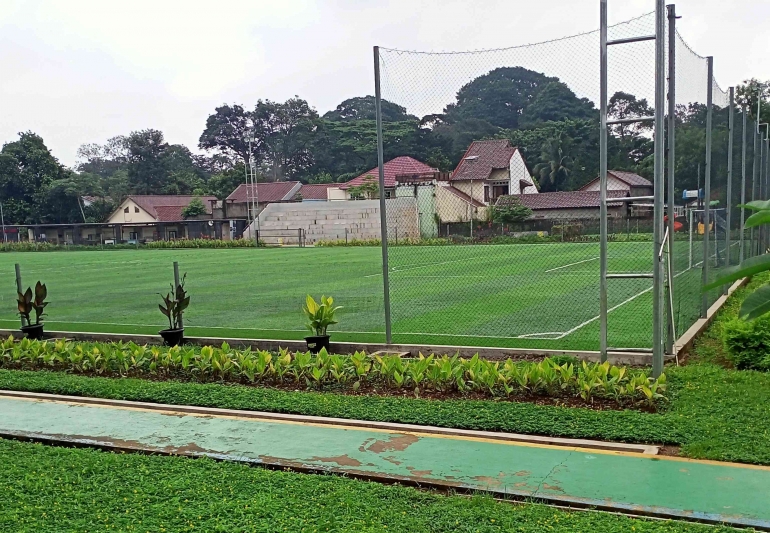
pixel 627 482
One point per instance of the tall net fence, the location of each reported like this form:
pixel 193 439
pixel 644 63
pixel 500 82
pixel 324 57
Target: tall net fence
pixel 512 205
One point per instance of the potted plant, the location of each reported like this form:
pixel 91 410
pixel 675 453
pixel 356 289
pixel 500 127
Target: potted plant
pixel 27 302
pixel 173 306
pixel 320 316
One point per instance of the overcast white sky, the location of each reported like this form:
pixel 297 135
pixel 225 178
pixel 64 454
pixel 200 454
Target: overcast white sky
pixel 81 71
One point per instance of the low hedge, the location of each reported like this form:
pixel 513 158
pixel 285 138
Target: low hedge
pixel 509 379
pixel 27 246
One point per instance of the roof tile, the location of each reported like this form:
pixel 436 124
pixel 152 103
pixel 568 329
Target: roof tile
pixel 275 191
pixel 562 200
pixel 482 157
pixel 399 166
pixel 153 203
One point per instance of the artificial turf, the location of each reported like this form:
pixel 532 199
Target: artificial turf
pixel 49 489
pixel 522 295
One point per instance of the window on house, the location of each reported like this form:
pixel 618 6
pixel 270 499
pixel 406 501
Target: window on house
pixel 486 194
pixel 90 237
pixel 172 235
pixel 499 190
pixel 136 209
pixel 125 210
pixel 133 236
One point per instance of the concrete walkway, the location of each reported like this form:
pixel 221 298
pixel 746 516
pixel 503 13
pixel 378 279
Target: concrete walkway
pixel 627 482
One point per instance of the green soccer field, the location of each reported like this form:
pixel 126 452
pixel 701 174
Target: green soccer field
pixel 529 296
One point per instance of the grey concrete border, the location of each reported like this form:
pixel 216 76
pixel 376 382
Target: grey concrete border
pixel 619 358
pixel 647 449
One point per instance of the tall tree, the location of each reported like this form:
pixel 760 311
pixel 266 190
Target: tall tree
pixel 624 105
pixel 227 130
pixel 556 166
pixel 363 108
pixel 556 102
pixel 27 170
pixel 498 97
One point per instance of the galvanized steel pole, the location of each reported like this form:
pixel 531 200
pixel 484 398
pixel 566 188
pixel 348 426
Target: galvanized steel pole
pixel 603 179
pixel 671 329
pixel 731 129
pixel 742 245
pixel 754 181
pixel 659 177
pixel 383 214
pixel 707 188
pixel 19 289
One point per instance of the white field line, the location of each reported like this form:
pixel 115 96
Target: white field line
pixel 579 326
pixel 572 264
pixel 424 265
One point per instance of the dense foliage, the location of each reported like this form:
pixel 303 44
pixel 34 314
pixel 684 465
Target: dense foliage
pixel 556 131
pixel 494 378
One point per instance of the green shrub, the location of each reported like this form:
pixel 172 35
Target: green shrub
pixel 748 343
pixel 496 379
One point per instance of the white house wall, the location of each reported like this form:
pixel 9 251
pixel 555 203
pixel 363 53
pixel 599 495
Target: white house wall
pixel 135 214
pixel 613 184
pixel 518 171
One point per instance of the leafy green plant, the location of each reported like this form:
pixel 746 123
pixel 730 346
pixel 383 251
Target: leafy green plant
pixel 176 302
pixel 29 301
pixel 748 343
pixel 509 212
pixel 320 315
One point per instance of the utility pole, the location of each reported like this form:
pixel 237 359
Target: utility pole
pixel 2 221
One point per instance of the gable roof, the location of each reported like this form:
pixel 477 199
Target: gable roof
pixel 274 191
pixel 399 166
pixel 629 178
pixel 464 197
pixel 562 200
pixel 316 191
pixel 168 207
pixel 482 157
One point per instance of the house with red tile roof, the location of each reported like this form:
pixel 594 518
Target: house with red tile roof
pixel 619 180
pixel 568 205
pixel 156 217
pixel 239 203
pixel 487 171
pixel 397 170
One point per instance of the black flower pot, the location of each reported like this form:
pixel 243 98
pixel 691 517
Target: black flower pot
pixel 316 342
pixel 172 337
pixel 33 331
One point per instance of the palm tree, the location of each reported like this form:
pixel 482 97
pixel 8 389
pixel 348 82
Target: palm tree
pixel 556 162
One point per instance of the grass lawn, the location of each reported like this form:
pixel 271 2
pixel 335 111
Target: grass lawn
pixel 529 296
pixel 49 489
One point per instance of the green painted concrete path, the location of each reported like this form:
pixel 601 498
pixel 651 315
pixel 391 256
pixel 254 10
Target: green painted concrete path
pixel 627 482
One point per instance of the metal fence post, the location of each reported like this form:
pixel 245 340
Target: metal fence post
pixel 659 177
pixel 729 212
pixel 19 288
pixel 602 181
pixel 754 180
pixel 743 185
pixel 671 329
pixel 383 215
pixel 176 285
pixel 707 189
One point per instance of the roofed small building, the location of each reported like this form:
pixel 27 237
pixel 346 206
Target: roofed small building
pixel 620 180
pixel 239 203
pixel 402 167
pixel 568 205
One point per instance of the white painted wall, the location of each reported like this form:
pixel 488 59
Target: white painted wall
pixel 613 184
pixel 135 213
pixel 518 171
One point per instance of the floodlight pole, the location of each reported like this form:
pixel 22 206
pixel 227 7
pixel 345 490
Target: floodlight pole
pixel 659 177
pixel 671 12
pixel 707 188
pixel 742 245
pixel 728 214
pixel 383 214
pixel 602 180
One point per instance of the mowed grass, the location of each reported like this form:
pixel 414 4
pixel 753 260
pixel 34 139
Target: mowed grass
pixel 536 296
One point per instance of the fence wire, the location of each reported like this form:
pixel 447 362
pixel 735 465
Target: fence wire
pixel 511 205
